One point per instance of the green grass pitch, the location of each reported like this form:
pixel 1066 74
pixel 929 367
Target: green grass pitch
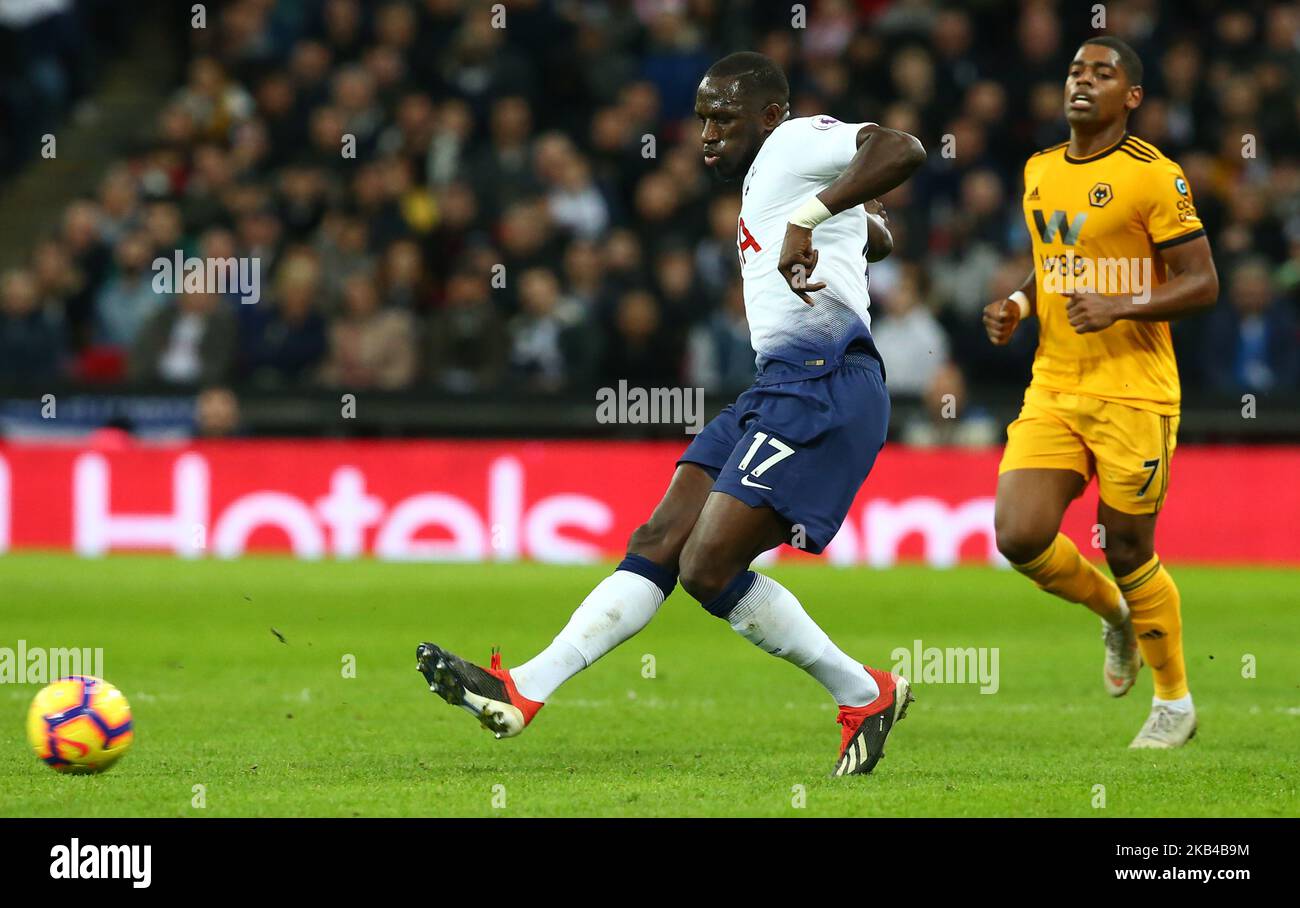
pixel 273 728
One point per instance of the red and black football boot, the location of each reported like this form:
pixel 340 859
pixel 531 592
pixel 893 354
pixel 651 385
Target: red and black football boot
pixel 489 694
pixel 865 728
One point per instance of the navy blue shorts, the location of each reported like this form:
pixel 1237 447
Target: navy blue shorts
pixel 802 448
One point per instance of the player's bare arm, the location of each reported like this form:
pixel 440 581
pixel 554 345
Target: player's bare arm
pixel 1001 317
pixel 880 241
pixel 885 159
pixel 1193 286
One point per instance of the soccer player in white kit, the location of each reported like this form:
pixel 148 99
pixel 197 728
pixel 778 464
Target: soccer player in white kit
pixel 784 462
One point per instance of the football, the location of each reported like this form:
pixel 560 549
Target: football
pixel 80 725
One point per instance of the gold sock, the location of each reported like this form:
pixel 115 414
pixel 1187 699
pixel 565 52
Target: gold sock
pixel 1062 571
pixel 1155 605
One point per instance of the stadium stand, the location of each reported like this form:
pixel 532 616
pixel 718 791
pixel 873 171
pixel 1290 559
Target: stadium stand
pixel 560 154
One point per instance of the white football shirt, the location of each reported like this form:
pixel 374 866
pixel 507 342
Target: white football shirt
pixel 799 159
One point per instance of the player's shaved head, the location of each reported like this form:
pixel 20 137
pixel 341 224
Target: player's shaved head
pixel 759 79
pixel 1129 61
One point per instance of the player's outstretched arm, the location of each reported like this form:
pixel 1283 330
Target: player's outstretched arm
pixel 1002 316
pixel 1193 285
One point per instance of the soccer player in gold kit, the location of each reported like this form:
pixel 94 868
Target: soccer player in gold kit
pixel 1118 252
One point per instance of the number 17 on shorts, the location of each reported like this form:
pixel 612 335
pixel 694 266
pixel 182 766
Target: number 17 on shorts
pixel 781 452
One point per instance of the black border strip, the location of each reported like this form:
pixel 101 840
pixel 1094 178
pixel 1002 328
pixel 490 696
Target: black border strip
pixel 1181 238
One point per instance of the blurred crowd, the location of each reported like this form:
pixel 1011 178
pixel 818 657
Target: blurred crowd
pixel 526 209
pixel 51 52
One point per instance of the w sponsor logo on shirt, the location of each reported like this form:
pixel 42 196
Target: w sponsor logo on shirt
pixel 1056 224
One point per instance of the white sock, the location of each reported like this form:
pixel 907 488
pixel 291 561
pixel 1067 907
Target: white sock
pixel 619 606
pixel 1182 704
pixel 770 617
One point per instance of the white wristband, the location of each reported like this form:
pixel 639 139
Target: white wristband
pixel 1022 301
pixel 810 213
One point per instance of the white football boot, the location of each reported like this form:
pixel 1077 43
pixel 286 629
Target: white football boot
pixel 1123 658
pixel 1166 727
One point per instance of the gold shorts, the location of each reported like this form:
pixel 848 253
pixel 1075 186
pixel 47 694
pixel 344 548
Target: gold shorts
pixel 1126 448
